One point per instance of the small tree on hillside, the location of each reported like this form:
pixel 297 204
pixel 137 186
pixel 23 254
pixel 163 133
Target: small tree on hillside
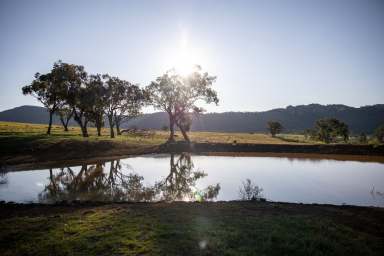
pixel 329 129
pixel 177 95
pixel 379 133
pixel 274 128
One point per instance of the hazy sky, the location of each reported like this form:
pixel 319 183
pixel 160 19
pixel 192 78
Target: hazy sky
pixel 266 54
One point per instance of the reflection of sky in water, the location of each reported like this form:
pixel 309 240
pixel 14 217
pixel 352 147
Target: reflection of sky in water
pixel 325 181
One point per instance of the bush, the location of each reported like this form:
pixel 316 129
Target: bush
pixel 250 191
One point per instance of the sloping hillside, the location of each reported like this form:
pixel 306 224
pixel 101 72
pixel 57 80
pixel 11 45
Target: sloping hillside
pixel 294 118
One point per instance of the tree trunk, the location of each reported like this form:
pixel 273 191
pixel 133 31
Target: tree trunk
pixel 79 119
pixel 110 119
pixel 185 135
pixel 117 122
pixel 171 129
pixel 84 130
pixel 98 124
pixel 64 123
pixel 50 122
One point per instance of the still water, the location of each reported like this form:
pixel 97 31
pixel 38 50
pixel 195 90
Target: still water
pixel 198 178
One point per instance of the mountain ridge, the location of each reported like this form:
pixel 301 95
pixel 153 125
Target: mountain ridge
pixel 294 118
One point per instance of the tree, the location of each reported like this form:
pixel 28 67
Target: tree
pixel 363 138
pixel 329 129
pixel 65 113
pixel 96 93
pixel 177 95
pixel 48 89
pixel 379 133
pixel 77 95
pixel 274 128
pixel 130 106
pixel 114 97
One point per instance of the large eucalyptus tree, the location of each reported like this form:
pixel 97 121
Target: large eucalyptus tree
pixel 49 90
pixel 178 96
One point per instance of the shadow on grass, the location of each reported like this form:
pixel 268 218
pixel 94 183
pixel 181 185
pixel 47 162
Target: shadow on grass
pixel 11 143
pixel 228 231
pixel 186 229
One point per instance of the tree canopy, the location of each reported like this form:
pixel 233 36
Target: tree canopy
pixel 274 128
pixel 69 91
pixel 328 129
pixel 178 96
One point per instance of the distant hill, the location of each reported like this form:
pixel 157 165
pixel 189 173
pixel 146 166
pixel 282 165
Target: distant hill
pixel 294 118
pixel 29 114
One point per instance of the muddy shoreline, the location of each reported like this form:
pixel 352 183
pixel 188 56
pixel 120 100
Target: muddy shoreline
pixel 74 153
pixel 336 149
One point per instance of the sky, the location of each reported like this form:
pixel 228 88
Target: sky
pixel 265 54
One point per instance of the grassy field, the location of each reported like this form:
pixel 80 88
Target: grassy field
pixel 231 228
pixel 22 143
pixel 14 136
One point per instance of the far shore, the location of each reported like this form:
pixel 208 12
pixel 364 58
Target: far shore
pixel 25 146
pixel 78 153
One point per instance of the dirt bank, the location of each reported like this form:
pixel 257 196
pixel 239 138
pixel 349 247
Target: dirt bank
pixel 336 149
pixel 72 152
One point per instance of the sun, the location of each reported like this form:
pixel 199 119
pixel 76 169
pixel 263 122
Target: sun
pixel 184 57
pixel 185 64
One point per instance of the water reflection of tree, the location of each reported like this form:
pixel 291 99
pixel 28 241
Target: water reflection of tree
pixel 95 183
pixel 3 177
pixel 98 183
pixel 180 184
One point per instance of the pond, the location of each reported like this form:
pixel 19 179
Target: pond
pixel 188 177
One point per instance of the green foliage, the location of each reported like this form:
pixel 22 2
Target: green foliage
pixel 274 128
pixel 177 95
pixel 329 129
pixel 50 89
pixel 69 91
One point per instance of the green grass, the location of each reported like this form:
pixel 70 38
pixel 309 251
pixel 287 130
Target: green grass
pixel 19 137
pixel 190 229
pixel 301 138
